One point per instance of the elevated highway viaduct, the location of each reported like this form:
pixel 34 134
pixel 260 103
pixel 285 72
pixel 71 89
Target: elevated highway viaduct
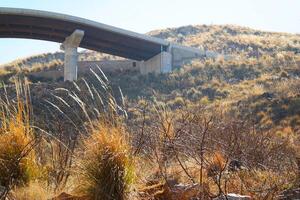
pixel 155 55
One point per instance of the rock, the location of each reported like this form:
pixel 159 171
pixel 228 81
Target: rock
pixel 235 165
pixel 290 194
pixel 173 191
pixel 185 192
pixel 232 196
pixel 267 95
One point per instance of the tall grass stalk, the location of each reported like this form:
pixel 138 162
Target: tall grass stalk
pixel 17 141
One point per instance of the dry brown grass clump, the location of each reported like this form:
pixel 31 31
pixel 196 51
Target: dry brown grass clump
pixel 16 162
pixel 34 191
pixel 107 167
pixel 17 157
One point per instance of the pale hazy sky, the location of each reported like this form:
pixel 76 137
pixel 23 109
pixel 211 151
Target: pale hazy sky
pixel 146 15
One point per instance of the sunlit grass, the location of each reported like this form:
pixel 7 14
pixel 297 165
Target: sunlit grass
pixel 17 141
pixel 107 168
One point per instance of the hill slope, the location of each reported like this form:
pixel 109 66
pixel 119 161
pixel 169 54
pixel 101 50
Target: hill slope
pixel 231 124
pixel 256 79
pixel 227 39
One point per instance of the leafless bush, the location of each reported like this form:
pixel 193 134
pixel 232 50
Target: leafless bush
pixel 208 145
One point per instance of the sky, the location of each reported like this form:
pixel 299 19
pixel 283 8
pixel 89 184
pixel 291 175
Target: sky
pixel 146 15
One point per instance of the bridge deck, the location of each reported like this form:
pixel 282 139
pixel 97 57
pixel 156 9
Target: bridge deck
pixel 42 25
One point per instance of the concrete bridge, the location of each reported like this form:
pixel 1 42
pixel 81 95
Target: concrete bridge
pixel 154 54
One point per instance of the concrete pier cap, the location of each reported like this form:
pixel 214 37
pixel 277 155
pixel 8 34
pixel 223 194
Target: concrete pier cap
pixel 69 46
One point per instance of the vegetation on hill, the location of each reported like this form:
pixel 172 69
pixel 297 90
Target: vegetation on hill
pixel 146 152
pixel 211 127
pixel 230 39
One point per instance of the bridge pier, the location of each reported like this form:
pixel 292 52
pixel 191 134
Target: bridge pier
pixel 161 63
pixel 70 46
pixel 166 61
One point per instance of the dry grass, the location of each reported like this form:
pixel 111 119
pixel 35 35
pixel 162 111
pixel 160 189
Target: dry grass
pixel 107 168
pixel 34 191
pixel 17 157
pixel 182 146
pixel 16 162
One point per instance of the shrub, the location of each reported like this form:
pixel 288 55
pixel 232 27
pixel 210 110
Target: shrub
pixel 205 101
pixel 107 168
pixel 284 74
pixel 17 158
pixel 217 165
pixel 178 102
pixel 15 165
pixel 193 94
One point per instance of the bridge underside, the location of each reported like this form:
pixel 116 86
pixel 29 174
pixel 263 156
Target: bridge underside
pixel 56 30
pixel 156 55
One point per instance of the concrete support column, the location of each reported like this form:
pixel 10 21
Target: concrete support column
pixel 70 46
pixel 161 63
pixel 70 64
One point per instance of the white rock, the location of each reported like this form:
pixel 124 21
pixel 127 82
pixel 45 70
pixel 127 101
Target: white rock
pixel 232 196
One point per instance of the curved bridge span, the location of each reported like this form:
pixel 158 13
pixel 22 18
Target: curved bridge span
pixel 75 32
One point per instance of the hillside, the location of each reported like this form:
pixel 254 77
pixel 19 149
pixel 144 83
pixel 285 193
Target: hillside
pixel 261 62
pixel 231 39
pixel 210 127
pixel 234 40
